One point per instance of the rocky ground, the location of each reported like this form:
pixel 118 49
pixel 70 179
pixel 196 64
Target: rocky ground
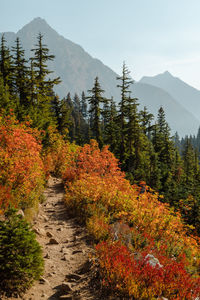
pixel 69 272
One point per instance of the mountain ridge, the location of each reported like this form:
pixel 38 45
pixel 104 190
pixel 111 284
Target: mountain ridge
pixel 77 69
pixel 181 91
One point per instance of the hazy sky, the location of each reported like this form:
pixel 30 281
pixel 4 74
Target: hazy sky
pixel 152 36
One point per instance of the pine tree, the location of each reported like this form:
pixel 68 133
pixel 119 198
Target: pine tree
pixel 84 106
pixel 40 59
pixel 68 117
pixel 21 80
pixel 96 100
pixel 111 131
pixel 56 109
pixel 78 118
pixel 133 132
pixel 125 83
pixel 145 120
pixel 6 101
pixel 6 65
pixel 43 86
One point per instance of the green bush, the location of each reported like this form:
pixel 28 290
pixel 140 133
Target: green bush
pixel 21 259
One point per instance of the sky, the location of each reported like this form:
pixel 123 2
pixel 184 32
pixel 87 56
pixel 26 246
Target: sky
pixel 151 36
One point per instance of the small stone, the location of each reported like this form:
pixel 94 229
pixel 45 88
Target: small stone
pixel 43 295
pixel 60 229
pixel 46 219
pixel 66 287
pixel 73 277
pixel 49 234
pixel 47 256
pixel 39 231
pixel 65 258
pixel 43 280
pixel 53 241
pixel 50 274
pixel 77 251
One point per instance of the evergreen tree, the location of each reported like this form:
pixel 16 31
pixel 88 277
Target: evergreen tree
pixel 111 131
pixel 125 82
pixel 21 80
pixel 76 112
pixel 83 105
pixel 96 100
pixel 41 112
pixel 67 122
pixel 145 120
pixel 39 60
pixel 56 109
pixel 6 65
pixel 189 160
pixel 6 101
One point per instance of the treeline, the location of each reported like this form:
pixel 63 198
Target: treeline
pixel 145 147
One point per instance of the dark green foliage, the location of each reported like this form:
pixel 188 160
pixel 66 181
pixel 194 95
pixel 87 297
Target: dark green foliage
pixel 39 60
pixel 20 80
pixel 6 65
pixel 7 102
pixel 21 259
pixel 95 101
pixel 125 82
pixel 111 131
pixel 83 104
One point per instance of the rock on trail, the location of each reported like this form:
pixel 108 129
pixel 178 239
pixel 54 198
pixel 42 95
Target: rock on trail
pixel 68 269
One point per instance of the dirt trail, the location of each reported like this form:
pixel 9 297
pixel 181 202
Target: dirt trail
pixel 66 252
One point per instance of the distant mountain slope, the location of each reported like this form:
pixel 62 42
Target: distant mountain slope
pixel 178 117
pixel 78 69
pixel 185 94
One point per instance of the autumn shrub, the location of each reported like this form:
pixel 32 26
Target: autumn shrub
pixel 130 276
pixel 59 154
pixel 100 196
pixel 93 161
pixel 21 167
pixel 21 259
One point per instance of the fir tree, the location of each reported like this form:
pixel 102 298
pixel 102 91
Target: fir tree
pixel 41 112
pixel 125 83
pixel 21 80
pixel 111 131
pixel 84 106
pixel 96 100
pixel 6 65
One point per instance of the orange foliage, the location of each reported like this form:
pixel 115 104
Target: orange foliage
pixel 21 168
pixel 98 193
pixel 59 154
pixel 90 160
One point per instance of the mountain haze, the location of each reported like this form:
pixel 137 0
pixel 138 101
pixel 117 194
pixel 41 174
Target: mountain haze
pixel 72 63
pixel 78 69
pixel 179 118
pixel 185 94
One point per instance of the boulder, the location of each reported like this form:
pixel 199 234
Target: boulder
pixel 153 261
